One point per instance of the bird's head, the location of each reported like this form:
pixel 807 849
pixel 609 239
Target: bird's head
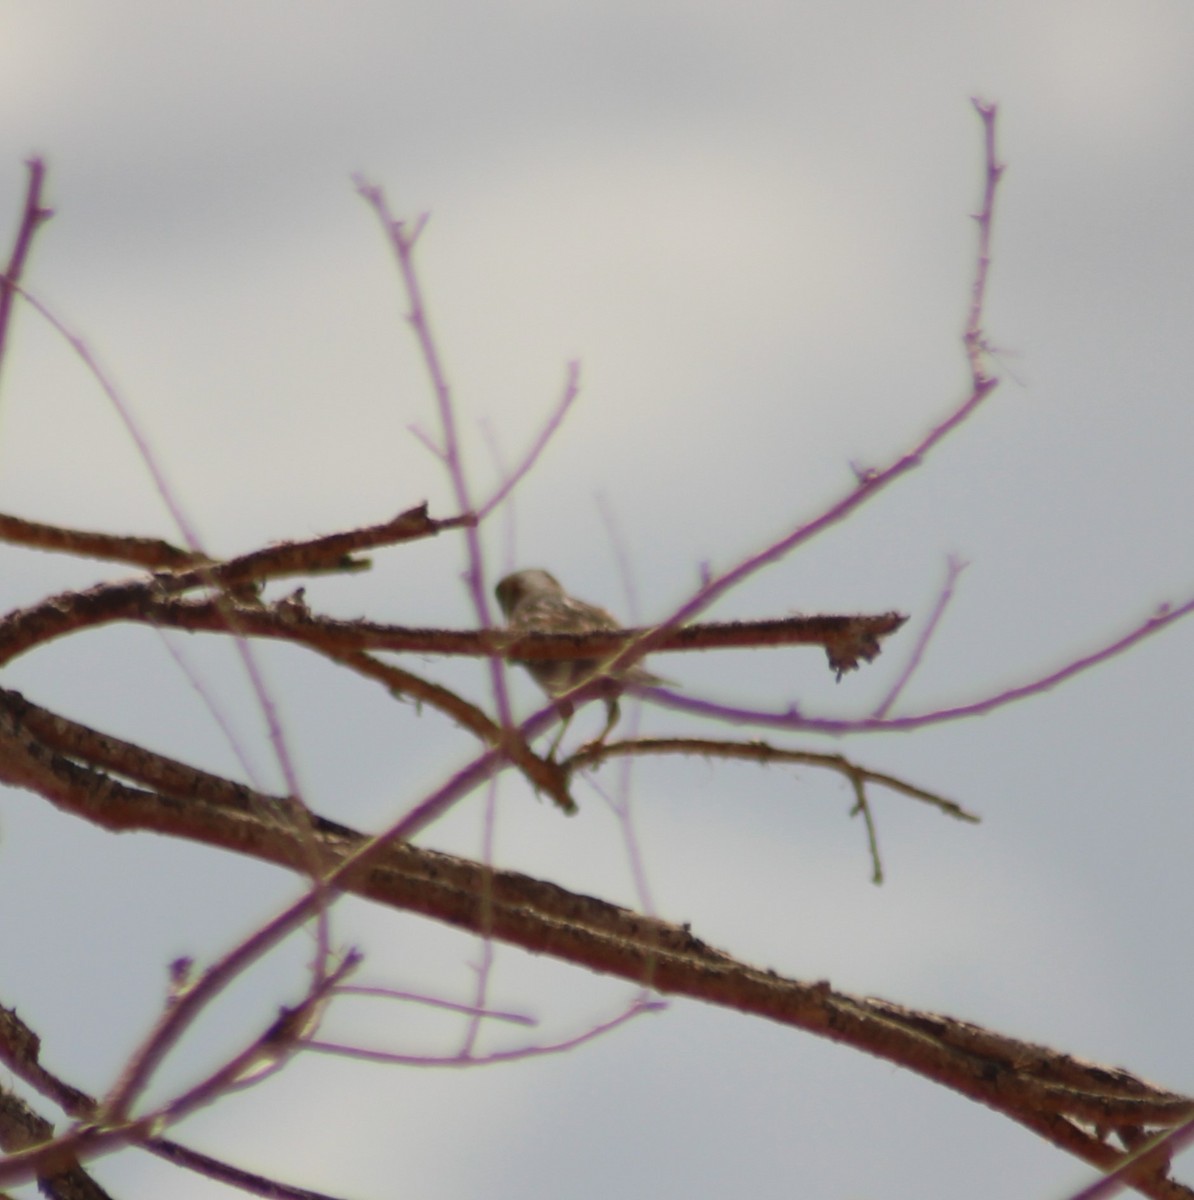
pixel 534 581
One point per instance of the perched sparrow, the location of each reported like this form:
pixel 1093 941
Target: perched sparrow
pixel 534 602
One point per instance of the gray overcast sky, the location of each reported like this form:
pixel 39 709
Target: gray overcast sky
pixel 750 224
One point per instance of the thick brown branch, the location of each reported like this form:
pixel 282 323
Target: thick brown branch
pixel 846 639
pixel 21 1128
pixel 1049 1092
pixel 151 553
pixel 187 569
pixel 182 781
pixel 140 599
pixel 20 1052
pixel 330 552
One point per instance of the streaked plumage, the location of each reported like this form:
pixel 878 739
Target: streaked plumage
pixel 535 602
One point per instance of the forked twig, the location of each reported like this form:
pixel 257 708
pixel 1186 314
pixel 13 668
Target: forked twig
pixel 33 215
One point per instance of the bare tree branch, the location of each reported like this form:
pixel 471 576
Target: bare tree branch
pixel 33 215
pixel 1054 1094
pixel 1104 1115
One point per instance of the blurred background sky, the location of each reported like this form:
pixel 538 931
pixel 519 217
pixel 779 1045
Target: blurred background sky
pixel 750 223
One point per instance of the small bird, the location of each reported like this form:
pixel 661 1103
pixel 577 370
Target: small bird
pixel 535 602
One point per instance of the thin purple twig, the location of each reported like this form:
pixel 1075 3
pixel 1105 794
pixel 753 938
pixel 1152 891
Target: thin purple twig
pixel 213 710
pixel 975 343
pixel 33 216
pixel 185 527
pixel 424 438
pixel 871 483
pixel 954 567
pixel 640 1005
pixel 402 242
pixel 509 524
pixel 484 968
pixel 621 800
pixel 435 1002
pixel 794 720
pixel 550 426
pixel 165 492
